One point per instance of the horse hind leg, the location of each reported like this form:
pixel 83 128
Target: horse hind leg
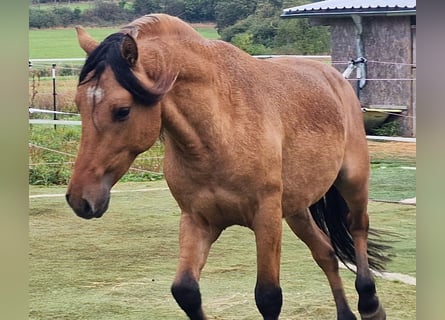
pixel 304 227
pixel 353 187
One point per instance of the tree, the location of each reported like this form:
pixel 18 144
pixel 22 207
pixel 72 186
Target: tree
pixel 42 19
pixel 245 42
pixel 105 13
pixel 264 32
pixel 65 16
pixel 141 7
pixel 172 7
pixel 228 12
pixel 297 36
pixel 199 10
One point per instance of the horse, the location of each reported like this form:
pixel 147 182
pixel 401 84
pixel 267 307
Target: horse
pixel 248 142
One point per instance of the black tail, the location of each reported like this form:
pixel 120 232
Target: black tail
pixel 330 214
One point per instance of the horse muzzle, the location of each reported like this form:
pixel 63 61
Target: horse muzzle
pixel 89 196
pixel 88 209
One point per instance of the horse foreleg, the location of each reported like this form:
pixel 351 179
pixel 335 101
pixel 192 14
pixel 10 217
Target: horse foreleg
pixel 268 231
pixel 305 228
pixel 195 240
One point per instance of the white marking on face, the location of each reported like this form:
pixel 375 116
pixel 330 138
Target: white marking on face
pixel 95 94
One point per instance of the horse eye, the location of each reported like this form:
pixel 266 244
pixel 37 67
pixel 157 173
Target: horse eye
pixel 121 114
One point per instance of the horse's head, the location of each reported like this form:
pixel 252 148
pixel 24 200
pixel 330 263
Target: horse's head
pixel 121 117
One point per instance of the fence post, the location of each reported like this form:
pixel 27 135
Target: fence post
pixel 53 73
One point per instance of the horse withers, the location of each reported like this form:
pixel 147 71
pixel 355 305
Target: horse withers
pixel 247 142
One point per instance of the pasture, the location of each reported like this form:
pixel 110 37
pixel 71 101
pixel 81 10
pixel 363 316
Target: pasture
pixel 121 266
pixel 82 5
pixel 61 43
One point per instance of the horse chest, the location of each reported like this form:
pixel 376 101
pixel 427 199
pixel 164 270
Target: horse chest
pixel 221 205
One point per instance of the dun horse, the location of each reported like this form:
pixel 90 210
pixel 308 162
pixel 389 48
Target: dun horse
pixel 247 142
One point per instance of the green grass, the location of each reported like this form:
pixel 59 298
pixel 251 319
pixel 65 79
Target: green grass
pixel 208 32
pixel 121 266
pixel 392 181
pixel 62 43
pixel 50 6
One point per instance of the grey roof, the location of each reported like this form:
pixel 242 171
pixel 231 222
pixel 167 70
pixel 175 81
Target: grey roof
pixel 348 7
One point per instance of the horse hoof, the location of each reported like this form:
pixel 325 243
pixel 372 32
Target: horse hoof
pixel 379 314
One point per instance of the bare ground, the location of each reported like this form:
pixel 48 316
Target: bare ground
pixel 391 149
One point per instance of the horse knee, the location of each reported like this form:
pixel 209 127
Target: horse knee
pixel 269 300
pixel 187 295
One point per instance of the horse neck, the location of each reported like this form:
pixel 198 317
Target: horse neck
pixel 193 113
pixel 190 115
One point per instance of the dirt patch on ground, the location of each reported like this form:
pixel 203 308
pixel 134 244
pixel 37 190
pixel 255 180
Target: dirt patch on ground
pixel 392 149
pixel 210 25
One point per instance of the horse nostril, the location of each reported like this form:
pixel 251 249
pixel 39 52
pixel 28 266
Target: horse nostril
pixel 86 207
pixel 81 207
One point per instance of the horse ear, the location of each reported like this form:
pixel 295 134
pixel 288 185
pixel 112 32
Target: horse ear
pixel 86 42
pixel 129 50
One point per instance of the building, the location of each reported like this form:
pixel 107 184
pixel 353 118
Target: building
pixel 377 40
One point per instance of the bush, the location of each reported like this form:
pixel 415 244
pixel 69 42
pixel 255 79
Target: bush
pixel 42 19
pixel 52 153
pixel 302 38
pixel 46 175
pixel 245 42
pixel 389 129
pixel 105 13
pixel 50 162
pixel 271 34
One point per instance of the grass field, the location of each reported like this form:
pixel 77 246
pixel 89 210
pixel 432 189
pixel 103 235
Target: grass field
pixel 121 266
pixel 82 5
pixel 393 170
pixel 62 43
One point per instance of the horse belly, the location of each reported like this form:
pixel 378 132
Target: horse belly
pixel 308 176
pixel 218 206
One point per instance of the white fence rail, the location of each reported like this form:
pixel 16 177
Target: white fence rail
pixel 37 62
pixel 78 123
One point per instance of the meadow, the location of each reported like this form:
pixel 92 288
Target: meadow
pixel 82 5
pixel 121 266
pixel 58 46
pixel 62 42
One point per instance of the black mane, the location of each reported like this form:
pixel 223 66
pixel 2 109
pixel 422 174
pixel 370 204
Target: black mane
pixel 109 53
